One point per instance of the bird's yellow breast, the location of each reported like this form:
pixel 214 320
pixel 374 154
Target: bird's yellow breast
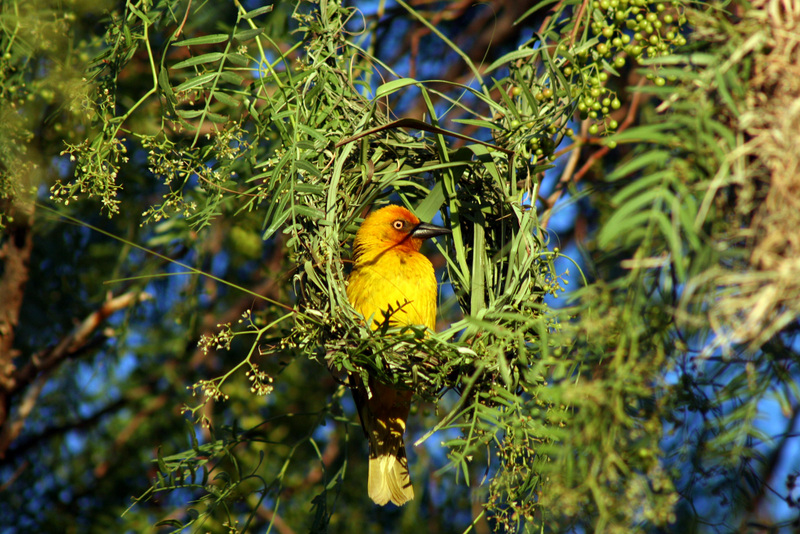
pixel 394 279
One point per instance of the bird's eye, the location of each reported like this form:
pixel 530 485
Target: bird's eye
pixel 398 224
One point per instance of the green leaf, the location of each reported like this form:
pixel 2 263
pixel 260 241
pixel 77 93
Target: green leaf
pixel 480 123
pixel 211 57
pixel 638 162
pixel 308 167
pixel 256 12
pixel 511 56
pixel 191 113
pixel 196 81
pixel 205 39
pixel 225 98
pixel 231 78
pixel 246 35
pixel 217 118
pixel 390 87
pixel 309 212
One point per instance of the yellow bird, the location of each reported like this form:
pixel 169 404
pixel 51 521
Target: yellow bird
pixel 391 276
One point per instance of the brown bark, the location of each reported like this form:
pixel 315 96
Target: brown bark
pixel 15 254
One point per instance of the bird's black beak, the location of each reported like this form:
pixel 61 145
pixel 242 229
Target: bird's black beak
pixel 426 231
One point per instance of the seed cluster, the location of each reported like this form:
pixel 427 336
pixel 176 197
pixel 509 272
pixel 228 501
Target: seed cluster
pixel 619 31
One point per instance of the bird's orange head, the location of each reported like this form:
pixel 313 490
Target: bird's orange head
pixel 393 227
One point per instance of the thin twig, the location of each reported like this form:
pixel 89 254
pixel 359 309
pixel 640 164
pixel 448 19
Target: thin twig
pixel 185 17
pixel 567 176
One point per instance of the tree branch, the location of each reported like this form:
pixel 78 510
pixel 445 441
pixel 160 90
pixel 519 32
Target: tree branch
pixel 24 445
pixel 15 254
pixel 44 362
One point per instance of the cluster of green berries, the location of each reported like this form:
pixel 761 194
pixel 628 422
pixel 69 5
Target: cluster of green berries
pixel 625 29
pixel 639 28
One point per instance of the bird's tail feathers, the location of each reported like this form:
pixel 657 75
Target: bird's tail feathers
pixel 389 480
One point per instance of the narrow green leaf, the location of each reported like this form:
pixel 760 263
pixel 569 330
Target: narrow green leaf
pixel 511 56
pixel 205 39
pixel 211 57
pixel 217 118
pixel 256 12
pixel 196 81
pixel 231 78
pixel 309 212
pixel 308 167
pixel 394 85
pixel 190 113
pixel 225 98
pixel 246 35
pixel 640 161
pixel 139 13
pixel 480 123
